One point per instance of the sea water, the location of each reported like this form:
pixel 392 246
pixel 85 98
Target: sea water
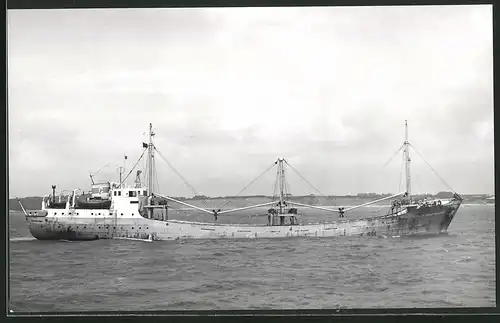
pixel 452 270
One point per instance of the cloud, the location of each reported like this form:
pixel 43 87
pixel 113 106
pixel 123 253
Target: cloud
pixel 230 89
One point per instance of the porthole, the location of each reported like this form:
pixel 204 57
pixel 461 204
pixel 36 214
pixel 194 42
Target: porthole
pixel 132 228
pixel 99 213
pixel 122 214
pixel 111 214
pixel 55 213
pixel 114 227
pixel 91 213
pixel 139 228
pixel 132 214
pixel 147 227
pixel 63 213
pixel 77 213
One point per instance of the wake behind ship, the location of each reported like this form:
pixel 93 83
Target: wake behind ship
pixel 114 211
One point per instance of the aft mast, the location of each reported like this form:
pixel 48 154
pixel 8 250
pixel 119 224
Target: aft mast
pixel 407 160
pixel 281 174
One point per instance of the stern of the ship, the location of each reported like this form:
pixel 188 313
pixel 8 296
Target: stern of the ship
pixel 37 222
pixel 42 227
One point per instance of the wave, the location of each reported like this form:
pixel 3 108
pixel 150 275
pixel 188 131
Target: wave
pixel 22 239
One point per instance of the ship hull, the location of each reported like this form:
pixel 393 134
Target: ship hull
pixel 412 220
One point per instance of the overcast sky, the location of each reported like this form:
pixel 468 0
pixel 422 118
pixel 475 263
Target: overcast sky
pixel 228 90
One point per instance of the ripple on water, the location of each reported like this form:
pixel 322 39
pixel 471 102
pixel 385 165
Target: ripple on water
pixel 349 272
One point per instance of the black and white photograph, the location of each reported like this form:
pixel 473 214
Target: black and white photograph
pixel 250 158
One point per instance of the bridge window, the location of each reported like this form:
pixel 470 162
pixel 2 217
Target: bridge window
pixel 119 193
pixel 132 193
pixel 145 193
pixel 114 193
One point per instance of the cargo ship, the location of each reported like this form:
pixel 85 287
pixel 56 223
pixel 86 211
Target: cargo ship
pixel 113 210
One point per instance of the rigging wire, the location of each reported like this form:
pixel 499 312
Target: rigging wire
pixel 132 169
pixel 401 172
pixel 253 181
pixel 100 169
pixel 314 188
pixel 435 172
pixel 388 161
pixel 181 177
pixel 379 172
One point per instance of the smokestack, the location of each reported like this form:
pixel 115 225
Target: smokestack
pixel 53 193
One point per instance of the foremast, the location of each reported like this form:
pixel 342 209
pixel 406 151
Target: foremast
pixel 407 160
